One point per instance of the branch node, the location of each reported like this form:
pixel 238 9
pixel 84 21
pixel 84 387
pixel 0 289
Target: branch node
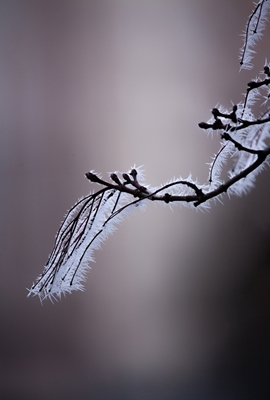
pixel 167 198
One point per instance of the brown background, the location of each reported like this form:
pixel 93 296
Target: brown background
pixel 177 305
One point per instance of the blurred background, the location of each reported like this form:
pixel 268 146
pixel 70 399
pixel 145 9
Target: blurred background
pixel 177 305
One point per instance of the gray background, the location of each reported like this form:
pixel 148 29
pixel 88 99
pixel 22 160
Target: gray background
pixel 177 305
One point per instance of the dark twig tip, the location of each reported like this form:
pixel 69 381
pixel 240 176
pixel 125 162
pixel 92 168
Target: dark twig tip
pixel 204 125
pixel 92 177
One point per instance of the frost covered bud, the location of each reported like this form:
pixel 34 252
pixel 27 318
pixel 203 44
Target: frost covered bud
pixel 267 70
pixel 233 114
pixel 115 178
pixel 133 173
pixel 215 112
pixel 126 177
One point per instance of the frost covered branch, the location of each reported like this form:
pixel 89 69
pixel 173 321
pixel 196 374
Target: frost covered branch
pixel 244 142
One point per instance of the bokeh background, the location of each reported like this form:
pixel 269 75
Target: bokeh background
pixel 177 305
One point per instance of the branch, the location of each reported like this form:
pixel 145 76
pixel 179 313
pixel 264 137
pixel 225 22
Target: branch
pixel 244 141
pixel 253 32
